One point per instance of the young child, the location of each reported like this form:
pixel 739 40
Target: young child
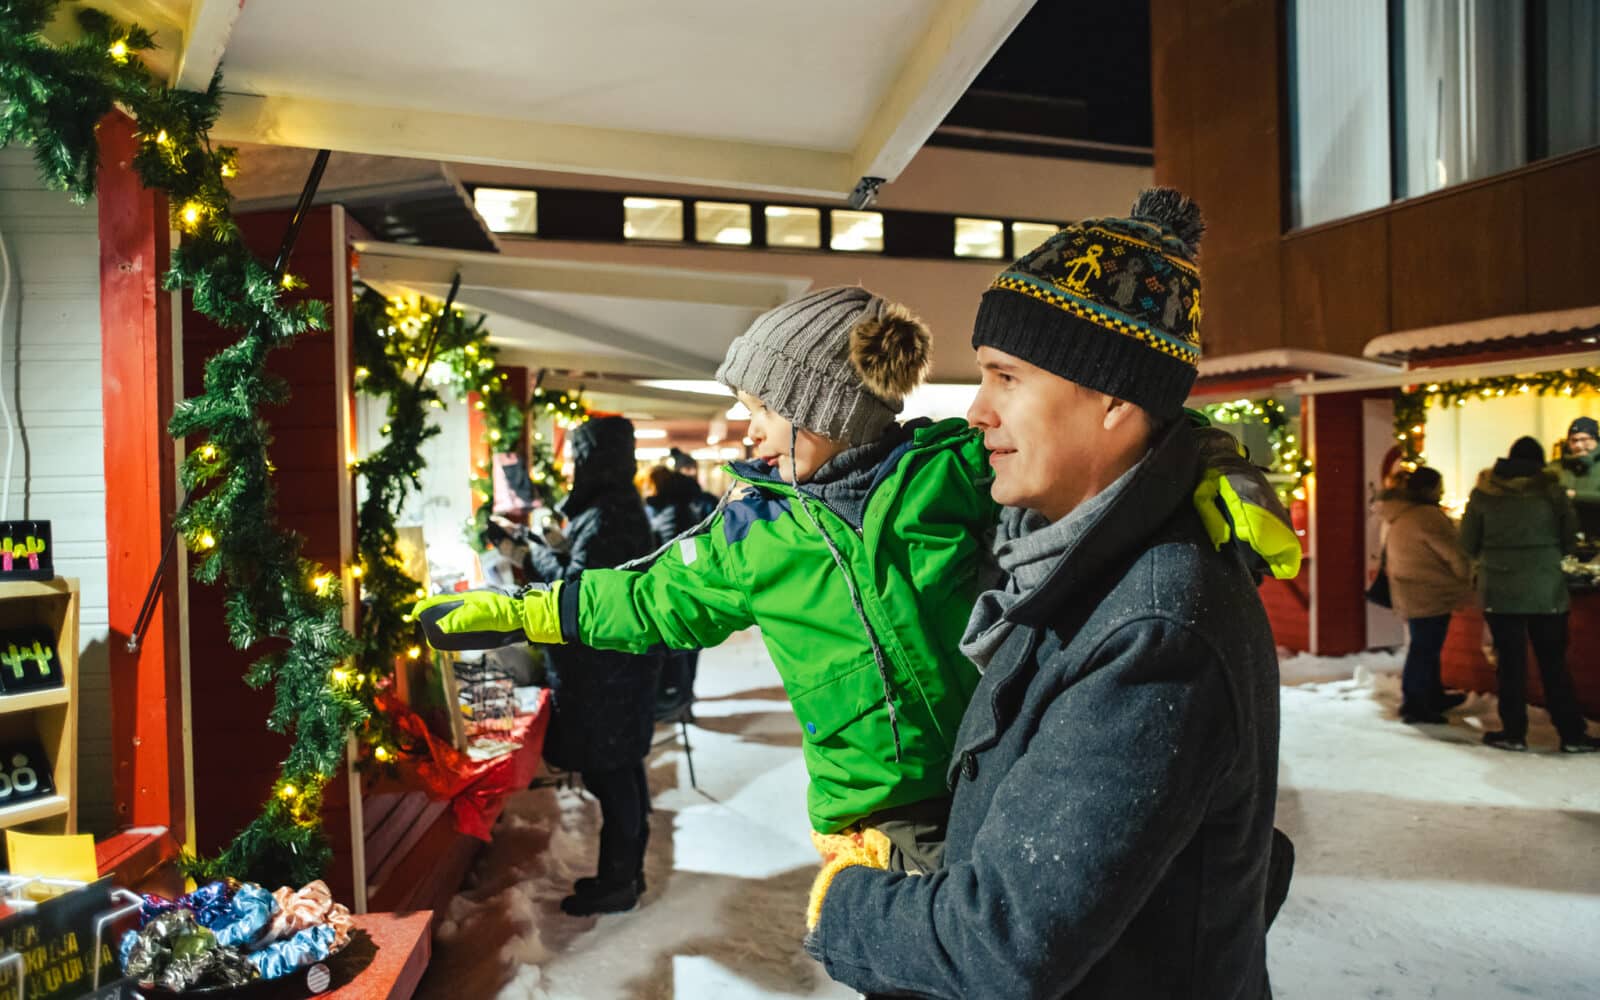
pixel 856 545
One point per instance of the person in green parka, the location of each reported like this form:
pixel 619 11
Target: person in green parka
pixel 1578 468
pixel 1517 526
pixel 856 543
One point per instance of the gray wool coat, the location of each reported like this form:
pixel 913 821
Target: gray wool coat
pixel 1114 784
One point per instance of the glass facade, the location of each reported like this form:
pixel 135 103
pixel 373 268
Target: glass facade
pixel 1393 99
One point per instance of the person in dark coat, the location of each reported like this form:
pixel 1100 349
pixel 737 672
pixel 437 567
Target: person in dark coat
pixel 1116 771
pixel 604 700
pixel 676 504
pixel 1518 524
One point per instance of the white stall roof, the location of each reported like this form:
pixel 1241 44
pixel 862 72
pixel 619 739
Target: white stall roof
pixel 803 98
pixel 1562 326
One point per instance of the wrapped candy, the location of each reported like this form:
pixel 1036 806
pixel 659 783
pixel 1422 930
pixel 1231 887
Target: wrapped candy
pixel 306 947
pixel 155 906
pixel 145 951
pixel 210 903
pixel 174 952
pixel 230 933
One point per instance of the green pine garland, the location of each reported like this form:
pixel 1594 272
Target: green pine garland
pixel 1288 455
pixel 53 98
pixel 1411 405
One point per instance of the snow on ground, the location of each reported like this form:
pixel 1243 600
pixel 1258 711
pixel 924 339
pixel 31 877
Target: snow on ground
pixel 1428 865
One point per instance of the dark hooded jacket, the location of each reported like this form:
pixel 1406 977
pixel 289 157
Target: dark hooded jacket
pixel 677 508
pixel 1517 526
pixel 604 700
pixel 1115 775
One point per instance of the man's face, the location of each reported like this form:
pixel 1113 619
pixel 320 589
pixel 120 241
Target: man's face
pixel 1581 442
pixel 1046 436
pixel 770 437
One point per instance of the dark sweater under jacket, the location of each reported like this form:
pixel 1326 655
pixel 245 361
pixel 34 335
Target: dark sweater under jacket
pixel 1115 779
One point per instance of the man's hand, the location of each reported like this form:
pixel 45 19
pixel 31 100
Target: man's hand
pixel 488 619
pixel 867 847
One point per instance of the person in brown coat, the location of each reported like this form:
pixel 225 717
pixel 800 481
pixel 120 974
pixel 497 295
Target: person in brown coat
pixel 1429 577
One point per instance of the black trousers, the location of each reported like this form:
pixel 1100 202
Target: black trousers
pixel 1420 688
pixel 624 795
pixel 1548 634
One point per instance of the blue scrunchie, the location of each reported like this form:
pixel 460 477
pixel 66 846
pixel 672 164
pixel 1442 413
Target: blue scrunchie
pixel 283 957
pixel 245 917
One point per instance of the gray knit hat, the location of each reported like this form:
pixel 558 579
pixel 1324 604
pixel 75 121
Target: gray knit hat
pixel 837 362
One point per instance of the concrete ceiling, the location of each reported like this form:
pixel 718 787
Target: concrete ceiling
pixel 804 98
pixel 595 325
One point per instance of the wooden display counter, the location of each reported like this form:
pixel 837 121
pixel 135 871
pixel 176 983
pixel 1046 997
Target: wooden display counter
pixel 1465 665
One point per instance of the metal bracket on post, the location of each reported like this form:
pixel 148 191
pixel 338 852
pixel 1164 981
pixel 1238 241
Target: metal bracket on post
pixel 865 193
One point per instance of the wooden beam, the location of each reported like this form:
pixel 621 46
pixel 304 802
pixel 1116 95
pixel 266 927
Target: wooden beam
pixel 537 313
pixel 137 339
pixel 958 41
pixel 210 26
pixel 507 142
pixel 413 265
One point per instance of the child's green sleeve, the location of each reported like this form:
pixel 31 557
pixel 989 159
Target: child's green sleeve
pixel 686 599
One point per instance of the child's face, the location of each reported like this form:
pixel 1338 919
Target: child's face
pixel 770 435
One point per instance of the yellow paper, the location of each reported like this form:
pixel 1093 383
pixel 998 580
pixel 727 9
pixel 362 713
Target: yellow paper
pixel 52 855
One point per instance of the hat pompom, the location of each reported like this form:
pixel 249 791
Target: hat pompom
pixel 1173 211
pixel 891 351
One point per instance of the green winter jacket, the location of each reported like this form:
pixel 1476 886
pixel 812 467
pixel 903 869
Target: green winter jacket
pixel 1517 525
pixel 1580 477
pixel 913 567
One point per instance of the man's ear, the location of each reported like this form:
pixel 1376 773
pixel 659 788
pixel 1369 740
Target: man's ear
pixel 1118 411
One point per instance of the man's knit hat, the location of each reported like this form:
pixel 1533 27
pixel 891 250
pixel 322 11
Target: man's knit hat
pixel 837 362
pixel 1111 304
pixel 1584 425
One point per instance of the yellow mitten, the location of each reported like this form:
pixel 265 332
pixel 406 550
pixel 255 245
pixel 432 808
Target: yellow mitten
pixel 866 847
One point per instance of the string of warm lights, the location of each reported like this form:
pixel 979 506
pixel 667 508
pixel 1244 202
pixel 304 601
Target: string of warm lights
pixel 1288 454
pixel 1411 405
pixel 52 97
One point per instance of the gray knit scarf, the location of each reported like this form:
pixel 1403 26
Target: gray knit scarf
pixel 1028 548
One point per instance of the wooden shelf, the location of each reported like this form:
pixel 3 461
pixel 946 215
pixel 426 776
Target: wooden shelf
pixel 34 699
pixel 27 812
pixel 59 587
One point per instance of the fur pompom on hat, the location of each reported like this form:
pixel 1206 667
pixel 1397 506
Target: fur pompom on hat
pixel 838 362
pixel 890 350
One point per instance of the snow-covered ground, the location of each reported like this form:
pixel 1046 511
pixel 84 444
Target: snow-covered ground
pixel 1428 865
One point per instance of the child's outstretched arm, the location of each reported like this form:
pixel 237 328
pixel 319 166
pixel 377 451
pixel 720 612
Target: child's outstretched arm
pixel 686 599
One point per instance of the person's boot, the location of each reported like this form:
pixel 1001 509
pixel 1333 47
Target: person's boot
pixel 598 883
pixel 603 897
pixel 1452 699
pixel 1416 715
pixel 1582 743
pixel 1502 740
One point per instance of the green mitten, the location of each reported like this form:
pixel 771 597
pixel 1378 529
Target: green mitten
pixel 488 619
pixel 1235 501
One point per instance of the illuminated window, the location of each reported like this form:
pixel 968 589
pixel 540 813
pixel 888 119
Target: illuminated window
pixel 722 222
pixel 1026 236
pixel 789 226
pixel 507 211
pixel 980 238
pixel 857 231
pixel 652 219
